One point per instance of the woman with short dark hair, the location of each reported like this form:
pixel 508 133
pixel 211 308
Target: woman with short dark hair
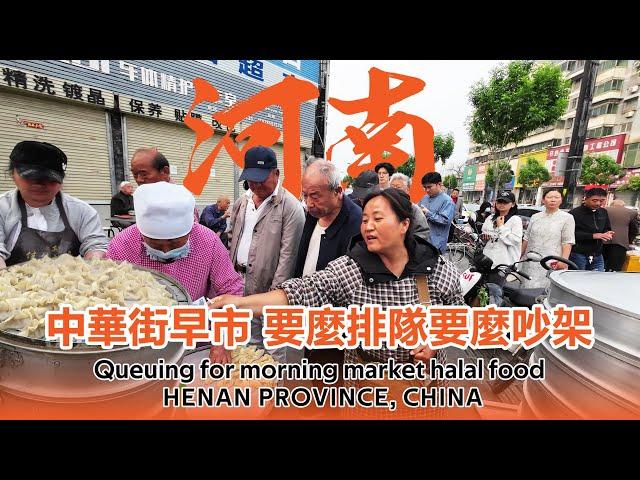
pixel 384 171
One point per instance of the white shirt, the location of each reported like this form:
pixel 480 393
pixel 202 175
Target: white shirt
pixel 314 250
pixel 35 220
pixel 251 216
pixel 506 241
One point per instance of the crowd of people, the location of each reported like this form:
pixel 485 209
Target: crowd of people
pixel 270 248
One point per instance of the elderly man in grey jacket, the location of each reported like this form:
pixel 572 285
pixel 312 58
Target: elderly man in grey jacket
pixel 267 225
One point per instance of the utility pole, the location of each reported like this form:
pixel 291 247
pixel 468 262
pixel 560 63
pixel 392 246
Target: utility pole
pixel 579 133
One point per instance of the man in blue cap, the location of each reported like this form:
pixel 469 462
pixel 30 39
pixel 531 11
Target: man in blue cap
pixel 267 225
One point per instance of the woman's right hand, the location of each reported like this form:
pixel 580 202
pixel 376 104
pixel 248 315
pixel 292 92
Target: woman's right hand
pixel 223 300
pixel 219 354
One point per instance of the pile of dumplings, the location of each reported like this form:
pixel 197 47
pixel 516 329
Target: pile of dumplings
pixel 29 290
pixel 245 355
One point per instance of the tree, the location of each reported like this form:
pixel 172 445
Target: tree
pixel 532 175
pixel 520 97
pixel 347 180
pixel 602 170
pixel 450 181
pixel 633 185
pixel 443 147
pixel 408 167
pixel 500 175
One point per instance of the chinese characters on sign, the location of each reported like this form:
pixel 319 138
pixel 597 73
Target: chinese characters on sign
pixel 289 95
pixel 327 327
pixel 377 105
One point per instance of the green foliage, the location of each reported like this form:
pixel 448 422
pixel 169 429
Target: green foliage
pixel 450 181
pixel 532 175
pixel 408 167
pixel 443 146
pixel 503 173
pixel 518 99
pixel 600 169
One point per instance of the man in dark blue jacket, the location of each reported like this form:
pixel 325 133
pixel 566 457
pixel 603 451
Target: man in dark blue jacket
pixel 215 217
pixel 332 219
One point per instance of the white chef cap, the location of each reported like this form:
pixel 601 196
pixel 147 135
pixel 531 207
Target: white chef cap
pixel 164 210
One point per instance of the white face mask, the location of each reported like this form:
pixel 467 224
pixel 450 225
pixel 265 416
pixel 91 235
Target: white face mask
pixel 170 256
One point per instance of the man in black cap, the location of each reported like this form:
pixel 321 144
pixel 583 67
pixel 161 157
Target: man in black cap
pixel 365 183
pixel 267 224
pixel 36 218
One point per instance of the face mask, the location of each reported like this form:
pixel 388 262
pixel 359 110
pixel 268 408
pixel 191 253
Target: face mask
pixel 170 256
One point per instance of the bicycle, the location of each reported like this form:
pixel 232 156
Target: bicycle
pixel 466 245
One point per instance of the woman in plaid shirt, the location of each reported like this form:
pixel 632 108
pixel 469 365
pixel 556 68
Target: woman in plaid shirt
pixel 380 268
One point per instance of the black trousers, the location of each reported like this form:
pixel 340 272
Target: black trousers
pixel 614 257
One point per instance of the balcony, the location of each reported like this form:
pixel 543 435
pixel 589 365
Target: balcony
pixel 617 72
pixel 602 120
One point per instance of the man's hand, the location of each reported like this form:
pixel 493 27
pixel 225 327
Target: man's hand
pixel 606 236
pixel 95 254
pixel 226 214
pixel 219 354
pixel 422 353
pixel 2 264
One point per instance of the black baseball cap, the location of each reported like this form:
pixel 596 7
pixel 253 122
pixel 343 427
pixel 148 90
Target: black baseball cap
pixel 508 196
pixel 258 162
pixel 38 161
pixel 365 183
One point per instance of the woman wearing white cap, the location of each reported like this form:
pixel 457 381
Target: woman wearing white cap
pixel 165 238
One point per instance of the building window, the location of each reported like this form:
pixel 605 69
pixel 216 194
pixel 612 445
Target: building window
pixel 609 64
pixel 625 127
pixel 600 132
pixel 573 104
pixel 609 85
pixel 630 105
pixel 604 109
pixel 575 86
pixel 631 155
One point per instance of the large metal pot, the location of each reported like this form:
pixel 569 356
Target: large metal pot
pixel 604 381
pixel 39 371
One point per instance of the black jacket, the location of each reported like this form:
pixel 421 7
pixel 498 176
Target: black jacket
pixel 121 204
pixel 335 241
pixel 589 222
pixel 423 259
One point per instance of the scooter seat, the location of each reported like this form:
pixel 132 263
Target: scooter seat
pixel 523 297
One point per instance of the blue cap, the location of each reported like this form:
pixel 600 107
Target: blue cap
pixel 258 162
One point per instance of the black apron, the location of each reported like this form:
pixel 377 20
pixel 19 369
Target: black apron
pixel 34 243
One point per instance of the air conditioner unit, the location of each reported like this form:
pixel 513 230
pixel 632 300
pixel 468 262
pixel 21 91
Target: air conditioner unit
pixel 634 89
pixel 630 113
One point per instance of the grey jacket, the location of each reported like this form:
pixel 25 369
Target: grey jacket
pixel 275 241
pixel 83 220
pixel 420 224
